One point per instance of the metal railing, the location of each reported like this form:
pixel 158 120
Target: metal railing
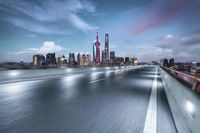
pixel 192 80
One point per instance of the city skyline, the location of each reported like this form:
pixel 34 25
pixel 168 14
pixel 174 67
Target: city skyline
pixel 148 30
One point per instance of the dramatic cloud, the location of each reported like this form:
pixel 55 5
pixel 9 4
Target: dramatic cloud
pixel 79 23
pixel 158 14
pixel 43 13
pixel 37 28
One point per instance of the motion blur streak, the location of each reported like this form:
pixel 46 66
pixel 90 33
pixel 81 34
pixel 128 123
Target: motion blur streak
pixel 93 102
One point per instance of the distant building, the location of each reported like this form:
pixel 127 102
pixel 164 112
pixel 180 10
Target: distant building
pixel 194 66
pixel 94 57
pixel 134 61
pixel 105 52
pixel 51 59
pixel 103 56
pixel 127 60
pixel 38 60
pixel 106 49
pixel 71 60
pixel 153 62
pixel 171 62
pixel 119 61
pixel 165 62
pixel 161 62
pixel 78 59
pixel 62 61
pixel 85 60
pixel 112 58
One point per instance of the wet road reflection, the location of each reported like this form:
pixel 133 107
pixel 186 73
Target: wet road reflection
pixel 96 102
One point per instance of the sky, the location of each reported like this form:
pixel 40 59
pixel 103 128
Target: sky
pixel 146 29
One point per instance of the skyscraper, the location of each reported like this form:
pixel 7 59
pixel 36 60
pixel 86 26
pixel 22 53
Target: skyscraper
pixel 97 44
pixel 171 62
pixel 71 60
pixel 94 59
pixel 107 48
pixel 112 57
pixel 78 59
pixel 165 62
pixel 85 59
pixel 127 60
pixel 62 61
pixel 103 56
pixel 38 60
pixel 51 59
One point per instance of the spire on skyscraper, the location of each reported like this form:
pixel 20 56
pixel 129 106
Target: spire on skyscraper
pixel 97 37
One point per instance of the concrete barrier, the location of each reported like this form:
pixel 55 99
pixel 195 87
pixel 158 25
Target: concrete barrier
pixel 184 104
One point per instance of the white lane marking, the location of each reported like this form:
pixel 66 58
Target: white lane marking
pixel 97 80
pixel 150 122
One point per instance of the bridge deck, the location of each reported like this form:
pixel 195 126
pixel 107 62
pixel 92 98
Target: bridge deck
pixel 94 102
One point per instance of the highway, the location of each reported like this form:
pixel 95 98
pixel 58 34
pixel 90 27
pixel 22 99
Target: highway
pixel 117 101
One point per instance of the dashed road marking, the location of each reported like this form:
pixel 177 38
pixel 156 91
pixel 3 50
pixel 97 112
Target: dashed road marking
pixel 97 80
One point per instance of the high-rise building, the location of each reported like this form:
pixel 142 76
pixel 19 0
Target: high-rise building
pixel 165 62
pixel 107 48
pixel 171 62
pixel 103 56
pixel 38 60
pixel 112 58
pixel 119 61
pixel 127 60
pixel 161 62
pixel 134 61
pixel 89 58
pixel 85 59
pixel 94 58
pixel 97 44
pixel 194 67
pixel 71 60
pixel 62 61
pixel 51 59
pixel 78 59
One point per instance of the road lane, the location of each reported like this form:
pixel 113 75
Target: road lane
pixel 95 102
pixel 150 122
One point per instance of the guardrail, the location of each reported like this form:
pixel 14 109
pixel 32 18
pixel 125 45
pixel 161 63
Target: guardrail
pixel 192 80
pixel 184 102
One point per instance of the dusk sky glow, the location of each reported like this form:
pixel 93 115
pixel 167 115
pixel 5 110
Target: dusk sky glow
pixel 146 29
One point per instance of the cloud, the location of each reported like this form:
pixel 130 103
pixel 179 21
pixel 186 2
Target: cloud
pixel 37 28
pixel 80 24
pixel 185 47
pixel 190 39
pixel 41 14
pixel 47 47
pixel 159 13
pixel 169 36
pixel 27 53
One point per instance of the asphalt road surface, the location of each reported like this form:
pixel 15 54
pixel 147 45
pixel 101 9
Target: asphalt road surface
pixel 120 101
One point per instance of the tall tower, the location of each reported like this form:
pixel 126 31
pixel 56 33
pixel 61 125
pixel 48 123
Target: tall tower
pixel 97 44
pixel 107 48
